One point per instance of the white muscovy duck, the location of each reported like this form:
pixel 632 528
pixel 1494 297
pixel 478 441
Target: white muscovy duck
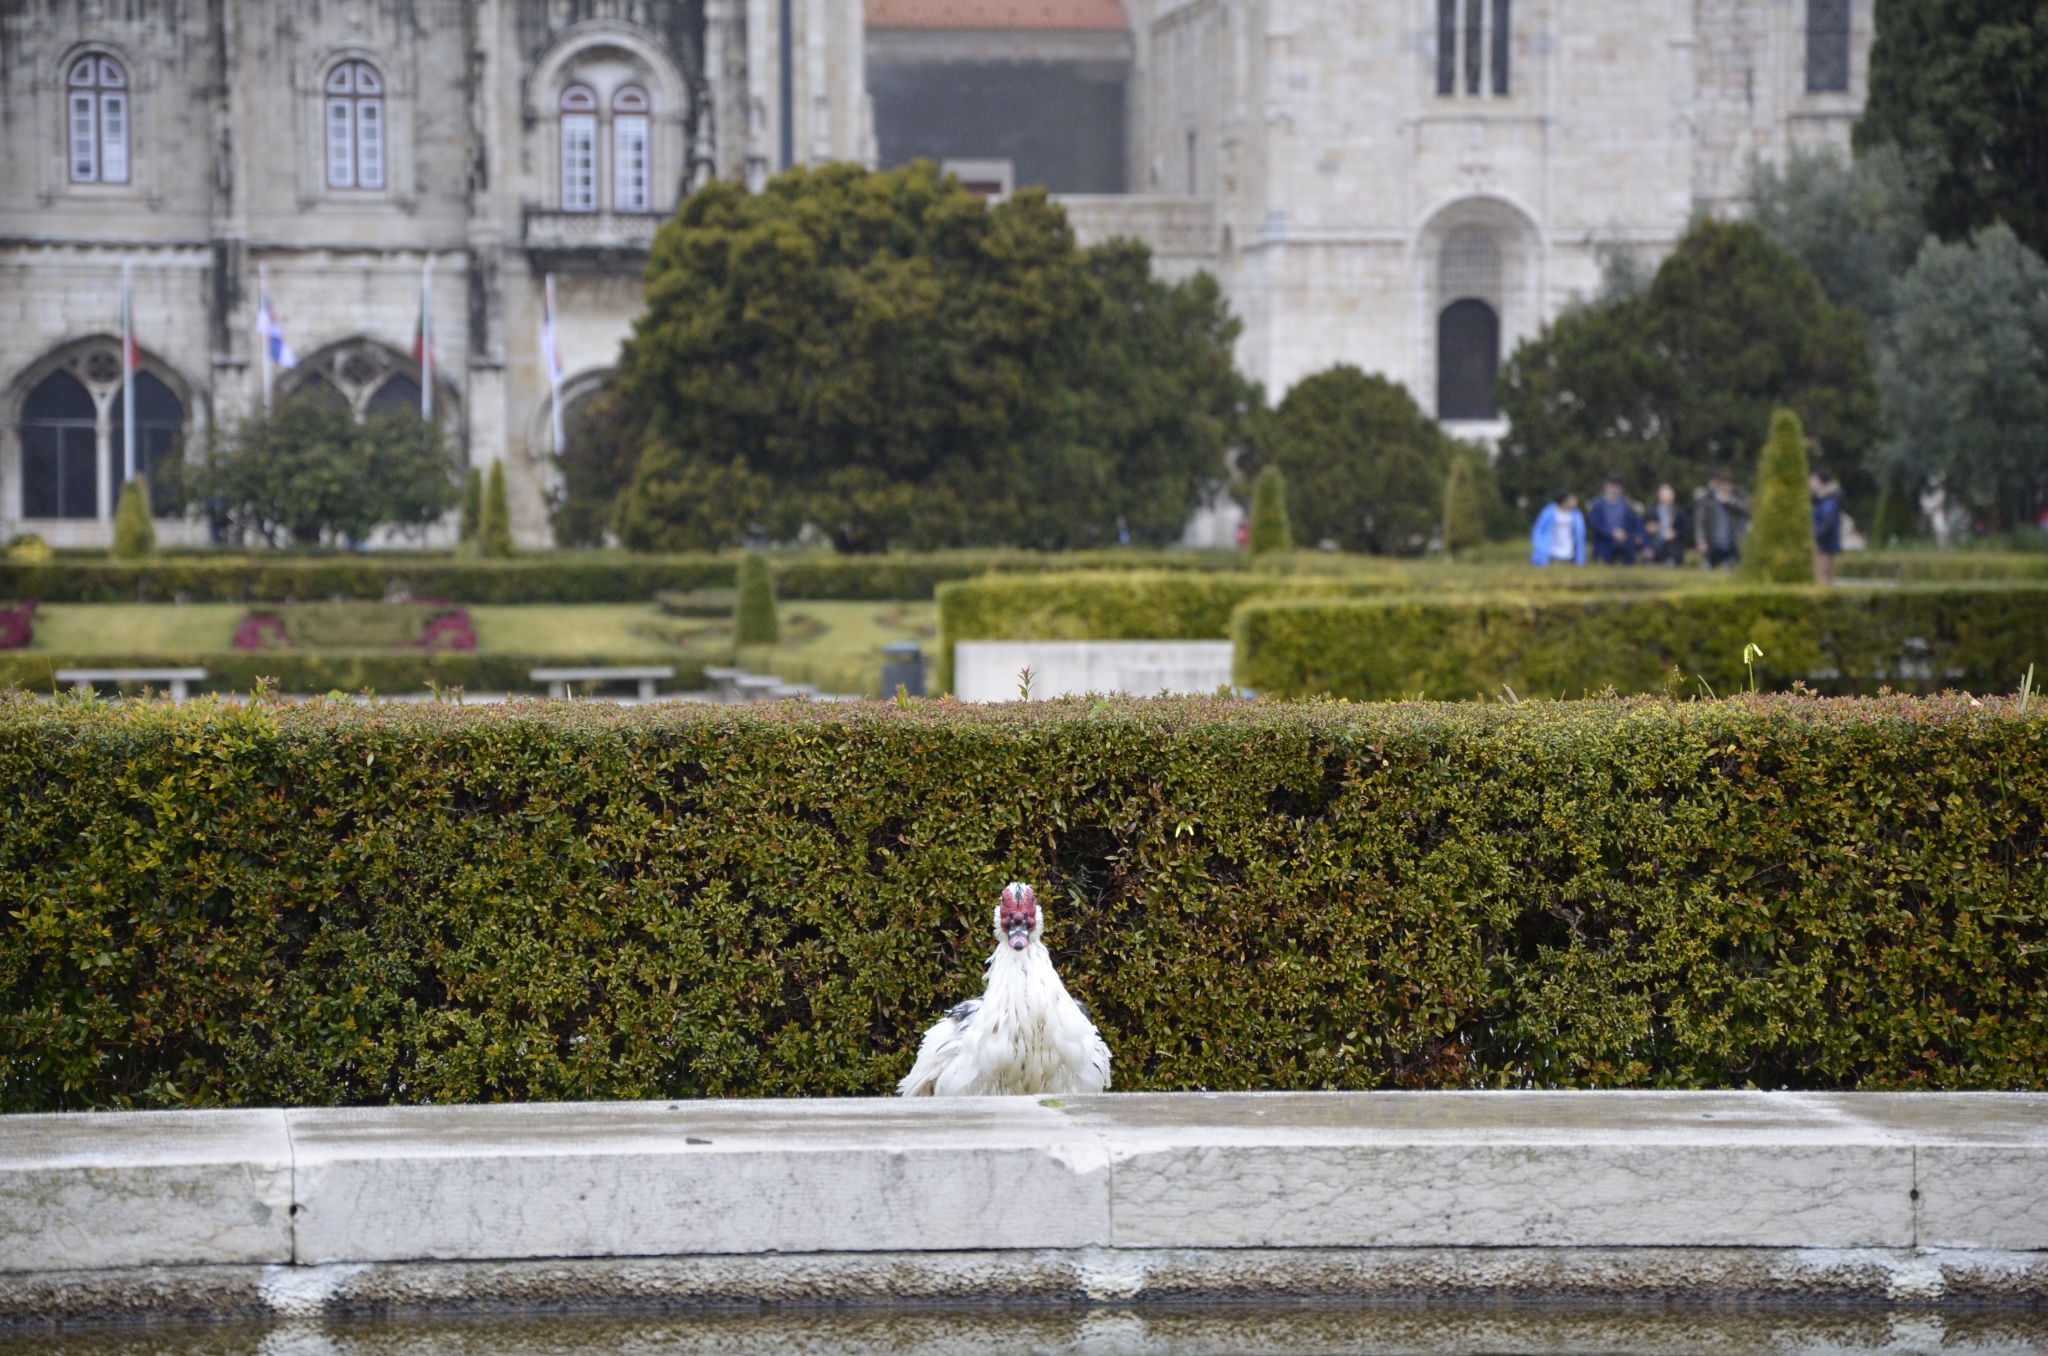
pixel 1024 1035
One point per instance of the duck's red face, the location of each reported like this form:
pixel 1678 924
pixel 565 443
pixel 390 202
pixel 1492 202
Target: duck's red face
pixel 1017 916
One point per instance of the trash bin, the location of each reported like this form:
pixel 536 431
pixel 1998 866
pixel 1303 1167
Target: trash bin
pixel 902 666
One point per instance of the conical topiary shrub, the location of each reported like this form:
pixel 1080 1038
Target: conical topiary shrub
pixel 1464 523
pixel 1780 545
pixel 472 504
pixel 494 519
pixel 134 533
pixel 1269 529
pixel 1893 520
pixel 754 623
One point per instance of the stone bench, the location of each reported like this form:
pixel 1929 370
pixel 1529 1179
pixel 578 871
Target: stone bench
pixel 646 676
pixel 176 680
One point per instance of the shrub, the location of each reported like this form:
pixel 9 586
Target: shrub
pixel 134 533
pixel 494 522
pixel 1270 530
pixel 1979 637
pixel 263 905
pixel 472 504
pixel 1780 547
pixel 1463 523
pixel 754 623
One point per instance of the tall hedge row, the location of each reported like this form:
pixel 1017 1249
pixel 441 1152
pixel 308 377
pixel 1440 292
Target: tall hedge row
pixel 1912 638
pixel 332 904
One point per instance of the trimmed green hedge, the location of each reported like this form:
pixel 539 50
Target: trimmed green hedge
pixel 339 904
pixel 1923 638
pixel 313 671
pixel 1910 566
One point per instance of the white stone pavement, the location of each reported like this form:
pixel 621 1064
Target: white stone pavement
pixel 1913 1197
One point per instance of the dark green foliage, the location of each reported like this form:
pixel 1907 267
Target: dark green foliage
pixel 754 623
pixel 1943 566
pixel 134 533
pixel 889 359
pixel 303 671
pixel 1966 82
pixel 1780 547
pixel 1365 467
pixel 1894 519
pixel 494 522
pixel 309 469
pixel 1966 378
pixel 1854 224
pixel 472 504
pixel 1683 378
pixel 262 905
pixel 1979 637
pixel 1270 529
pixel 602 452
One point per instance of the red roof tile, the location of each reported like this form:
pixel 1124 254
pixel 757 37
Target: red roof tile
pixel 1094 14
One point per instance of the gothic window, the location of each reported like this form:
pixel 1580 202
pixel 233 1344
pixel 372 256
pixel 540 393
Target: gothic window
pixel 1473 44
pixel 399 395
pixel 631 172
pixel 355 126
pixel 59 436
pixel 579 149
pixel 1827 46
pixel 1469 279
pixel 159 442
pixel 98 121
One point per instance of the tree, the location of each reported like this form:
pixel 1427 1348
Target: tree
pixel 602 439
pixel 1780 547
pixel 1365 467
pixel 310 470
pixel 1854 223
pixel 889 358
pixel 472 503
pixel 1682 378
pixel 1269 529
pixel 494 522
pixel 1464 523
pixel 1966 82
pixel 134 533
pixel 754 621
pixel 1966 377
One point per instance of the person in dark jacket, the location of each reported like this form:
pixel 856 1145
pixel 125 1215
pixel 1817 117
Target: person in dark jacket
pixel 1720 520
pixel 1613 527
pixel 1827 524
pixel 1664 528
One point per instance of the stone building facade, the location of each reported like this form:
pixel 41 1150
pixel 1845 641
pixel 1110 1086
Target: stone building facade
pixel 353 153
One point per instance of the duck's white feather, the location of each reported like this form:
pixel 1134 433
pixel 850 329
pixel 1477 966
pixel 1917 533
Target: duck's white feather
pixel 1025 1034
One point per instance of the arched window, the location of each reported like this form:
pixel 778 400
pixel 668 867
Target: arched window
pixel 1827 46
pixel 579 149
pixel 630 169
pixel 58 436
pixel 159 442
pixel 399 395
pixel 1473 44
pixel 355 126
pixel 1467 360
pixel 98 120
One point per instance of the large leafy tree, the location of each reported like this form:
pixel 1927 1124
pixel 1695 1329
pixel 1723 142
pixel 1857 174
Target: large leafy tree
pixel 1966 377
pixel 890 359
pixel 1966 82
pixel 1364 466
pixel 1668 384
pixel 311 470
pixel 1854 223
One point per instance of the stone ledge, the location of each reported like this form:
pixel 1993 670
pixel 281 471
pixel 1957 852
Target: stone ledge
pixel 1892 1197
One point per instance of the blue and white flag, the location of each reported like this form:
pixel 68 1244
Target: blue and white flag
pixel 276 352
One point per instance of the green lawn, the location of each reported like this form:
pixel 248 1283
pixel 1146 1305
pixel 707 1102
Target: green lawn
pixel 836 646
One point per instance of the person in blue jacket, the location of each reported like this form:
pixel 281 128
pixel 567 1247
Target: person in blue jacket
pixel 1560 532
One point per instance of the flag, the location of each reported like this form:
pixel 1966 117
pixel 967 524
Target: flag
pixel 423 340
pixel 551 356
pixel 275 349
pixel 131 359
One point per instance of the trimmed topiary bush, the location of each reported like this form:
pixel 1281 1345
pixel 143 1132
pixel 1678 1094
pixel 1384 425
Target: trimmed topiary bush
pixel 472 505
pixel 754 622
pixel 134 533
pixel 1780 546
pixel 1269 529
pixel 1464 522
pixel 494 520
pixel 341 905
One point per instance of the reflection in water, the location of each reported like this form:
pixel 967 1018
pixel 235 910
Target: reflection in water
pixel 1157 1331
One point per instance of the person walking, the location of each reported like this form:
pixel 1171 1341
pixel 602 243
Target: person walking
pixel 1720 520
pixel 1560 532
pixel 1613 527
pixel 1664 528
pixel 1827 524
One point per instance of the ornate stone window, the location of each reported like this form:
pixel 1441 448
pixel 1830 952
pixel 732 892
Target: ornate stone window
pixel 71 443
pixel 97 118
pixel 1474 44
pixel 632 170
pixel 355 126
pixel 579 149
pixel 1827 46
pixel 1469 292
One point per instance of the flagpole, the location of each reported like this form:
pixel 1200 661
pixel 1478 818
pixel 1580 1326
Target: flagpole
pixel 555 365
pixel 262 339
pixel 127 373
pixel 427 338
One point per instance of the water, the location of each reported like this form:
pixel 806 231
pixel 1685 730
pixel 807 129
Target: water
pixel 1270 1330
